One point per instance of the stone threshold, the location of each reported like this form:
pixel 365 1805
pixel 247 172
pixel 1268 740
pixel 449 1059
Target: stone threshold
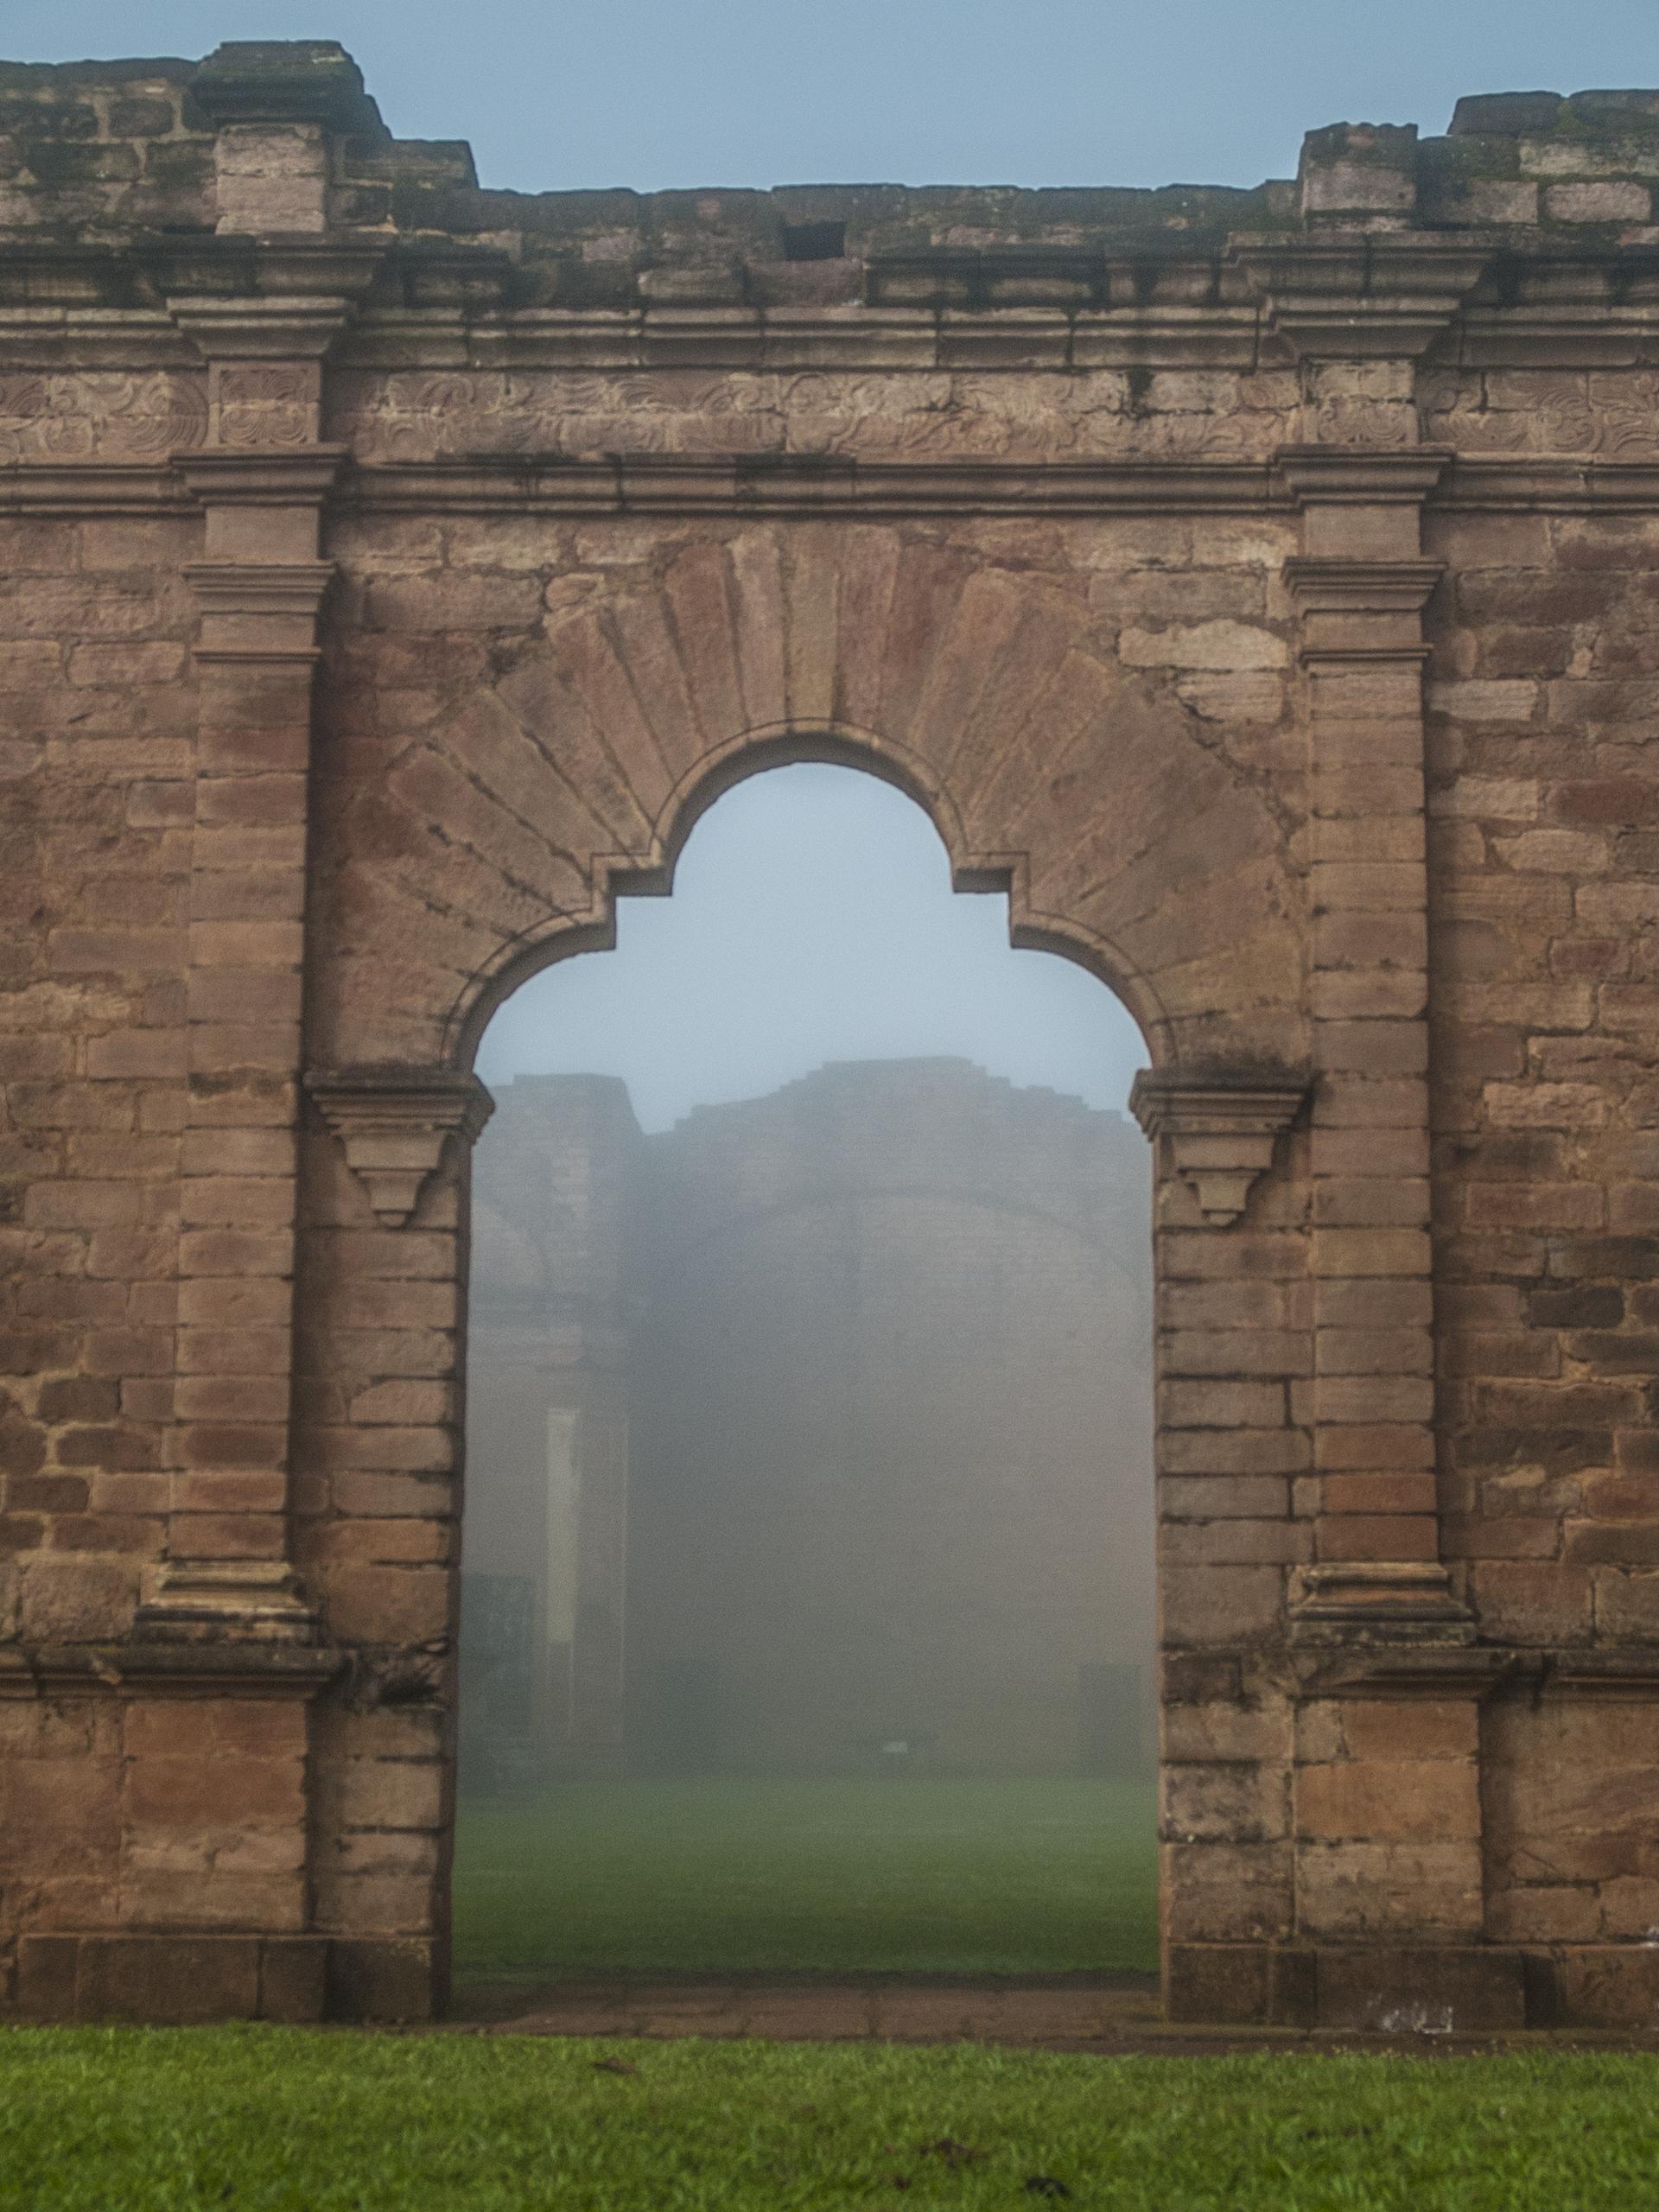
pixel 1111 2015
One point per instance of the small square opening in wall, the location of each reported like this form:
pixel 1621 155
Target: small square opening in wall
pixel 815 241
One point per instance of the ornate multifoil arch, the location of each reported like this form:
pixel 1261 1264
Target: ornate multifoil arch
pixel 752 753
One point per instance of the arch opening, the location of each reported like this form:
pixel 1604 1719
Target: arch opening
pixel 809 1505
pixel 740 760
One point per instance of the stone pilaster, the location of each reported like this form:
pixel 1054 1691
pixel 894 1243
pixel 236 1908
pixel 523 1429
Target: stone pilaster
pixel 1358 303
pixel 258 590
pixel 1361 584
pixel 259 587
pixel 261 480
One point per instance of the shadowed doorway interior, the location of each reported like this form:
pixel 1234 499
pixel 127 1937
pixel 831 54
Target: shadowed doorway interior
pixel 808 1595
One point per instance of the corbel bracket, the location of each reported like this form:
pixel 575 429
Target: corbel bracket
pixel 1221 1133
pixel 392 1124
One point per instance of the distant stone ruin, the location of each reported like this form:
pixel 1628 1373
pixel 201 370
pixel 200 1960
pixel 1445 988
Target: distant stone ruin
pixel 812 1436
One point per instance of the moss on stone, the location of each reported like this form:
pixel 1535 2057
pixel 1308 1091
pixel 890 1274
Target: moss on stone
pixel 51 161
pixel 1444 163
pixel 142 119
pixel 49 118
pixel 180 164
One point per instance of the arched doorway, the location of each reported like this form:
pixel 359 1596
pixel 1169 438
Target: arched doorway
pixel 809 1494
pixel 489 827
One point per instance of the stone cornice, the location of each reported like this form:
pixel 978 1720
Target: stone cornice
pixel 101 325
pixel 650 484
pixel 92 488
pixel 1363 296
pixel 1476 1669
pixel 225 1666
pixel 1434 1670
pixel 804 484
pixel 233 272
pixel 261 330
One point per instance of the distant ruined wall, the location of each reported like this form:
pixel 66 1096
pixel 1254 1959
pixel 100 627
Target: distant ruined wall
pixel 881 1349
pixel 1256 587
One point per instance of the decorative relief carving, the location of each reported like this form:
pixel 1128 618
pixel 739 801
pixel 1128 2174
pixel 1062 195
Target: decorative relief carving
pixel 1220 1133
pixel 101 415
pixel 1612 414
pixel 264 403
pixel 1097 415
pixel 392 1124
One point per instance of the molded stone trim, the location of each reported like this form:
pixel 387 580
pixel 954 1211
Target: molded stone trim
pixel 1222 1134
pixel 159 1667
pixel 1336 586
pixel 203 1601
pixel 1348 477
pixel 260 476
pixel 393 1125
pixel 1410 1601
pixel 1362 297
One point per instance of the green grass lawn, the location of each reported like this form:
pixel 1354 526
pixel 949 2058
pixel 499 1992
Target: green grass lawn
pixel 904 1875
pixel 181 2121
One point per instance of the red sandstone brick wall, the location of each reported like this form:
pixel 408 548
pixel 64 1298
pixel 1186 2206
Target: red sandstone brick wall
pixel 98 755
pixel 1110 527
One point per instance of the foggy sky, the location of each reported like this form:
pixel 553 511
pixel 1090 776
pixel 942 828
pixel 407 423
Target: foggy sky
pixel 567 93
pixel 813 919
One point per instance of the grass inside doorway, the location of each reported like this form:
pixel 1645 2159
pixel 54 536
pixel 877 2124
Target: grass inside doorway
pixel 915 1875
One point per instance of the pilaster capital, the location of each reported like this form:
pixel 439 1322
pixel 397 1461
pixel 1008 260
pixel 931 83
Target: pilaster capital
pixel 1337 585
pixel 392 1124
pixel 262 613
pixel 1221 1130
pixel 265 476
pixel 261 330
pixel 243 299
pixel 1352 476
pixel 284 587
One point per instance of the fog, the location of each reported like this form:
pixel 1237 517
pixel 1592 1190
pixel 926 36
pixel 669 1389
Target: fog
pixel 808 1553
pixel 813 919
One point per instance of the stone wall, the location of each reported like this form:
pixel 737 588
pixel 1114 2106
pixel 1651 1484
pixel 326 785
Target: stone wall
pixel 863 1370
pixel 1253 586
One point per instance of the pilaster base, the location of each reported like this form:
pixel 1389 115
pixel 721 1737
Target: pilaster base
pixel 1380 1601
pixel 209 1601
